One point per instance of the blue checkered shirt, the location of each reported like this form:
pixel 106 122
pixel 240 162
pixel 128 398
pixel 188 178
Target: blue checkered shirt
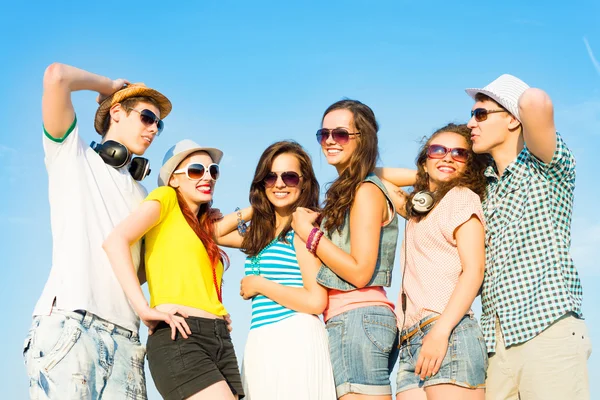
pixel 530 279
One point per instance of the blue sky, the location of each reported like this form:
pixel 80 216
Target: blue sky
pixel 242 75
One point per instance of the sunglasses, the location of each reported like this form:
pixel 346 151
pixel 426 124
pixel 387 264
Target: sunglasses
pixel 481 114
pixel 148 118
pixel 437 151
pixel 289 178
pixel 339 135
pixel 196 171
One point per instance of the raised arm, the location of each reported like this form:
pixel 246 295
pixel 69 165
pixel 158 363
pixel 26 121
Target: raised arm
pixel 397 176
pixel 309 299
pixel 471 250
pixel 118 249
pixel 59 81
pixel 537 118
pixel 367 214
pixel 398 196
pixel 226 233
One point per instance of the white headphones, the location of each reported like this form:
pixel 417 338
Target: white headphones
pixel 422 202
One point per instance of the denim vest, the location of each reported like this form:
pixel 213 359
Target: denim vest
pixel 382 275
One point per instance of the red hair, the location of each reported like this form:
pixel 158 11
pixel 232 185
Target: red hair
pixel 204 228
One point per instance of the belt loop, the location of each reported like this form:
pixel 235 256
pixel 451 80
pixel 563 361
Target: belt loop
pixel 87 319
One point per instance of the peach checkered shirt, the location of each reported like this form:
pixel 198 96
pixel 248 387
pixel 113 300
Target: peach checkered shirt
pixel 432 263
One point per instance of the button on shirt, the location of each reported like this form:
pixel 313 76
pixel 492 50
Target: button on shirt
pixel 530 279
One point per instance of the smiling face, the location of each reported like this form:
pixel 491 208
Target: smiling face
pixel 194 191
pixel 337 154
pixel 280 195
pixel 446 168
pixel 127 128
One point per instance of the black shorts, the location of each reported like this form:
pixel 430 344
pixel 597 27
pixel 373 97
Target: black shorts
pixel 183 367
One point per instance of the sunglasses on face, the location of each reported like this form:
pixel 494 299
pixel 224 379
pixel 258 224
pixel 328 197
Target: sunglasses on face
pixel 481 114
pixel 148 118
pixel 339 135
pixel 289 178
pixel 196 171
pixel 437 152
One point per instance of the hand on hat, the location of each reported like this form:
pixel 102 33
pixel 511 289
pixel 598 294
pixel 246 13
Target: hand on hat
pixel 116 84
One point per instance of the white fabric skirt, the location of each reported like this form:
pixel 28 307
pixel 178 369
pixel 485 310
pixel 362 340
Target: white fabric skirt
pixel 288 360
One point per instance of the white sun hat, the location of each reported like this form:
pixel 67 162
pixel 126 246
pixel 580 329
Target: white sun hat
pixel 178 153
pixel 505 91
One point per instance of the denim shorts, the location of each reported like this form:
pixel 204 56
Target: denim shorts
pixel 183 367
pixel 465 363
pixel 363 344
pixel 77 355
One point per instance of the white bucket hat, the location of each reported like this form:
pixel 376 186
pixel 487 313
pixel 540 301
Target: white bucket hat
pixel 505 91
pixel 177 153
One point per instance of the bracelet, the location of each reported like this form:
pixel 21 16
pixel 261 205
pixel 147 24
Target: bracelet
pixel 241 224
pixel 310 238
pixel 315 243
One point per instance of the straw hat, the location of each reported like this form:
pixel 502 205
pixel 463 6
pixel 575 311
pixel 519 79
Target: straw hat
pixel 178 153
pixel 132 90
pixel 505 91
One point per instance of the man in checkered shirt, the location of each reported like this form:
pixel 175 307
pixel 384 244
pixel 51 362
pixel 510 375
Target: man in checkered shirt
pixel 532 322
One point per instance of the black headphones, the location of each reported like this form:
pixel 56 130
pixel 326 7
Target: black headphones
pixel 117 156
pixel 422 202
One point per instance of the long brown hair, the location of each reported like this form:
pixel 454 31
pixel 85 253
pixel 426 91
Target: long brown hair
pixel 262 230
pixel 341 192
pixel 204 228
pixel 472 178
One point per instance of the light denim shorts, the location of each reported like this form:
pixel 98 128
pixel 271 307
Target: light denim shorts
pixel 363 344
pixel 77 355
pixel 465 363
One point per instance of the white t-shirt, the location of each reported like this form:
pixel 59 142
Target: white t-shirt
pixel 88 198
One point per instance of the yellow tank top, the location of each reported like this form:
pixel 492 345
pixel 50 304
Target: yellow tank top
pixel 177 265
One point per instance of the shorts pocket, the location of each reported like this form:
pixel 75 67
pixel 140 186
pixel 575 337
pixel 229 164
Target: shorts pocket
pixel 381 330
pixel 63 346
pixel 50 340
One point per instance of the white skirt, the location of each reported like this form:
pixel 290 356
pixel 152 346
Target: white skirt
pixel 288 360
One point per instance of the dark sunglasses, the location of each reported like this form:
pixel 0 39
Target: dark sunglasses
pixel 148 118
pixel 339 135
pixel 196 171
pixel 481 114
pixel 289 178
pixel 437 151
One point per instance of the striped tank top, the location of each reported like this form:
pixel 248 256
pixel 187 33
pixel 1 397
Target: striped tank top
pixel 276 262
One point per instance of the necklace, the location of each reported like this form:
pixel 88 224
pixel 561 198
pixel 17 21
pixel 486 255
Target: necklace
pixel 255 260
pixel 218 288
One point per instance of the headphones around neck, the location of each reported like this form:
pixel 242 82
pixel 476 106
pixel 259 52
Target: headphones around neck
pixel 422 202
pixel 117 156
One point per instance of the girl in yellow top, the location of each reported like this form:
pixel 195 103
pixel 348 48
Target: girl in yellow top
pixel 190 352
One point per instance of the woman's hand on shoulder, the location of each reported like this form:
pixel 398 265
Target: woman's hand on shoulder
pixel 303 221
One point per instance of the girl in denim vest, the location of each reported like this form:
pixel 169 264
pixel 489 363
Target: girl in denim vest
pixel 356 243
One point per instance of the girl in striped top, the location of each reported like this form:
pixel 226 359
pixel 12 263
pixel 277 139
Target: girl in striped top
pixel 286 355
pixel 278 263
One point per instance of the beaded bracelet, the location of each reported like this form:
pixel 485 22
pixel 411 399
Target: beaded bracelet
pixel 241 224
pixel 315 243
pixel 311 236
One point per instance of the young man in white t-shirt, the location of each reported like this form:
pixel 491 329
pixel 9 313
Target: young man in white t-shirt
pixel 84 341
